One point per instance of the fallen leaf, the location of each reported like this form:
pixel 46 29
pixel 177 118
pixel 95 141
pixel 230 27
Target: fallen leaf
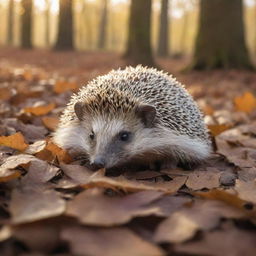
pixel 50 122
pixel 79 174
pixel 99 180
pixel 40 110
pixel 15 141
pixel 246 190
pixel 245 103
pixel 63 86
pixel 108 242
pixel 92 207
pixel 217 129
pixel 224 196
pixel 7 175
pixel 52 151
pixel 228 241
pixel 209 178
pixel 5 93
pixel 202 215
pixel 35 202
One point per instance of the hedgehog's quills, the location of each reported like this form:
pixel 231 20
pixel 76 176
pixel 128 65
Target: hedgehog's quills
pixel 134 116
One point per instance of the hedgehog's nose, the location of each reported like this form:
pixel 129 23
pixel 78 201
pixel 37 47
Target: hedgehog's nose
pixel 99 162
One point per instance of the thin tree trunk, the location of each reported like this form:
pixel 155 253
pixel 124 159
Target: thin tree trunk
pixel 220 41
pixel 26 21
pixel 65 27
pixel 139 34
pixel 184 32
pixel 47 23
pixel 103 25
pixel 163 36
pixel 10 23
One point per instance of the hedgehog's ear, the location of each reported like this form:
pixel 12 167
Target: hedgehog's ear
pixel 147 113
pixel 79 108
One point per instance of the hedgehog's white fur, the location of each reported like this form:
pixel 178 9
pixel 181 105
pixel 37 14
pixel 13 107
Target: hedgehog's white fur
pixel 179 131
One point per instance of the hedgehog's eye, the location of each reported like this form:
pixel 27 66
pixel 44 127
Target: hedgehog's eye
pixel 124 136
pixel 92 135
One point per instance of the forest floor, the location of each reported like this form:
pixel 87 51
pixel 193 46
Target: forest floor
pixel 52 205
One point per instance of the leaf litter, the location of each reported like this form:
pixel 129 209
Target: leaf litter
pixel 51 204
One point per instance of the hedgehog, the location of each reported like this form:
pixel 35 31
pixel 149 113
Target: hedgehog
pixel 137 115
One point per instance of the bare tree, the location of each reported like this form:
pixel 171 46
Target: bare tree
pixel 220 40
pixel 65 27
pixel 163 36
pixel 10 22
pixel 47 22
pixel 103 25
pixel 139 33
pixel 26 24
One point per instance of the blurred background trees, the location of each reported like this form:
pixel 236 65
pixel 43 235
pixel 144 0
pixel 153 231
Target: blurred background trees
pixel 215 33
pixel 65 26
pixel 220 41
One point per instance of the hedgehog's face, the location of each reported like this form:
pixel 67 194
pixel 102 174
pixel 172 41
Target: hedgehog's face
pixel 111 139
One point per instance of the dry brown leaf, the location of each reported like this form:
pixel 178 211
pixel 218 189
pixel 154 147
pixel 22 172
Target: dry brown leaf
pixel 92 207
pixel 108 242
pixel 52 151
pixel 5 93
pixel 35 202
pixel 63 86
pixel 40 236
pixel 228 241
pixel 40 110
pixel 15 141
pixel 246 190
pixel 204 179
pixel 79 174
pixel 208 110
pixel 31 132
pixel 99 180
pixel 202 215
pixel 50 122
pixel 245 103
pixel 224 196
pixel 7 175
pixel 217 129
pixel 36 147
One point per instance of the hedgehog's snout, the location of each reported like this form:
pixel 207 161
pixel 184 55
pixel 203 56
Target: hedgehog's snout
pixel 99 162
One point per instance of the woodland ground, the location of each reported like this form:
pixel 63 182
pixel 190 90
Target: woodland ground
pixel 51 205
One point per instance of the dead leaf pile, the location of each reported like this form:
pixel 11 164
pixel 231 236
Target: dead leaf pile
pixel 51 204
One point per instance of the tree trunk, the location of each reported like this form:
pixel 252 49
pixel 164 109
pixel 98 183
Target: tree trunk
pixel 26 21
pixel 103 25
pixel 163 36
pixel 10 23
pixel 65 27
pixel 184 32
pixel 220 41
pixel 139 34
pixel 47 22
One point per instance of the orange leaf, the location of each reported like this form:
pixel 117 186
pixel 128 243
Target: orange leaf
pixel 15 141
pixel 245 103
pixel 216 129
pixel 50 122
pixel 63 86
pixel 52 151
pixel 208 110
pixel 40 110
pixel 222 195
pixel 15 174
pixel 5 93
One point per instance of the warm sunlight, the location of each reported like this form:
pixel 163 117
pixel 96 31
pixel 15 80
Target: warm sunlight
pixel 41 5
